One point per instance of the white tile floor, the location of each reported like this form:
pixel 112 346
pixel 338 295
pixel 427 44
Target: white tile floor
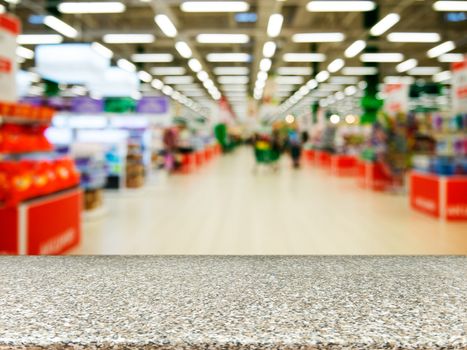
pixel 225 209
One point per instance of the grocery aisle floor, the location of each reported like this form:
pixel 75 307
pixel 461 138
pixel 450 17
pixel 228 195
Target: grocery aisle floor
pixel 225 209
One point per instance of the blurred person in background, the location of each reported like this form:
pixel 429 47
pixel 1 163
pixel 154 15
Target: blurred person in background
pixel 294 143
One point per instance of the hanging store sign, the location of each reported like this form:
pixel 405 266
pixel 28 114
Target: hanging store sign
pixel 396 98
pixel 459 86
pixel 153 105
pixel 9 30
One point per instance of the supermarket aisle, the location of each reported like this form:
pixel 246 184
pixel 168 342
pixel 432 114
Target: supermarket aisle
pixel 225 209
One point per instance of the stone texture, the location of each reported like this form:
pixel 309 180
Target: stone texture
pixel 228 302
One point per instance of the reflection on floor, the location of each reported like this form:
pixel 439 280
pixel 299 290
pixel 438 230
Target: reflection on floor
pixel 225 208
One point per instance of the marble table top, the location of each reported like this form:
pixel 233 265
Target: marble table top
pixel 230 302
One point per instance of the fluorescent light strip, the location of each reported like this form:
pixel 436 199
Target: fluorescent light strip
pixel 442 76
pixel 385 24
pixel 343 80
pixel 398 80
pixel 289 80
pixel 355 48
pixel 401 37
pixel 450 6
pixel 144 76
pixel 322 76
pixel 381 57
pixel 340 6
pixel 102 50
pixel 406 65
pixel 451 57
pixel 233 80
pixel 441 49
pixel 166 25
pixel 318 37
pixel 359 71
pixel 231 71
pixel 2 9
pixel 234 88
pixel 294 71
pixel 222 38
pixel 214 6
pixel 91 7
pixel 168 70
pixel 265 64
pixel 24 53
pixel 304 57
pixel 228 57
pixel 126 65
pixel 336 65
pixel 269 49
pixel 152 57
pixel 202 75
pixel 177 79
pixel 275 25
pixel 61 27
pixel 128 38
pixel 183 49
pixel 157 84
pixel 424 71
pixel 195 65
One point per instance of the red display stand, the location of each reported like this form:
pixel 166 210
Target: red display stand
pixel 309 155
pixel 188 162
pixel 439 196
pixel 323 159
pixel 199 158
pixel 344 165
pixel 371 176
pixel 47 225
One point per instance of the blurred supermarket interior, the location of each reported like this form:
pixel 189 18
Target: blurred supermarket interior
pixel 233 127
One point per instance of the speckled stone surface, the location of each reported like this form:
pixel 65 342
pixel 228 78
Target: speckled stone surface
pixel 147 302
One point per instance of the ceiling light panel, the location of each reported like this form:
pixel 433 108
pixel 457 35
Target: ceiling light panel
pixel 183 49
pixel 294 71
pixel 233 79
pixel 318 37
pixel 231 71
pixel 61 27
pixel 166 25
pixel 450 6
pixel 234 87
pixel 195 65
pixel 177 79
pixel 304 57
pixel 359 71
pixel 214 6
pixel 38 39
pixel 275 25
pixel 289 80
pixel 269 49
pixel 340 6
pixel 441 49
pixel 385 24
pixel 451 57
pixel 152 57
pixel 91 7
pixel 228 57
pixel 355 48
pixel 412 37
pixel 343 80
pixel 406 65
pixel 168 70
pixel 381 57
pixel 424 71
pixel 128 38
pixel 336 65
pixel 398 80
pixel 222 38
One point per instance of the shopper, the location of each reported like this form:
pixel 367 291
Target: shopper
pixel 295 146
pixel 170 148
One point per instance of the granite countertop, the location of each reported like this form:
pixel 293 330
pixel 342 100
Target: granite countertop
pixel 149 302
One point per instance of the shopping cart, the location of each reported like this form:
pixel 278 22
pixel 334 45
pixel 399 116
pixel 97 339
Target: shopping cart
pixel 265 154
